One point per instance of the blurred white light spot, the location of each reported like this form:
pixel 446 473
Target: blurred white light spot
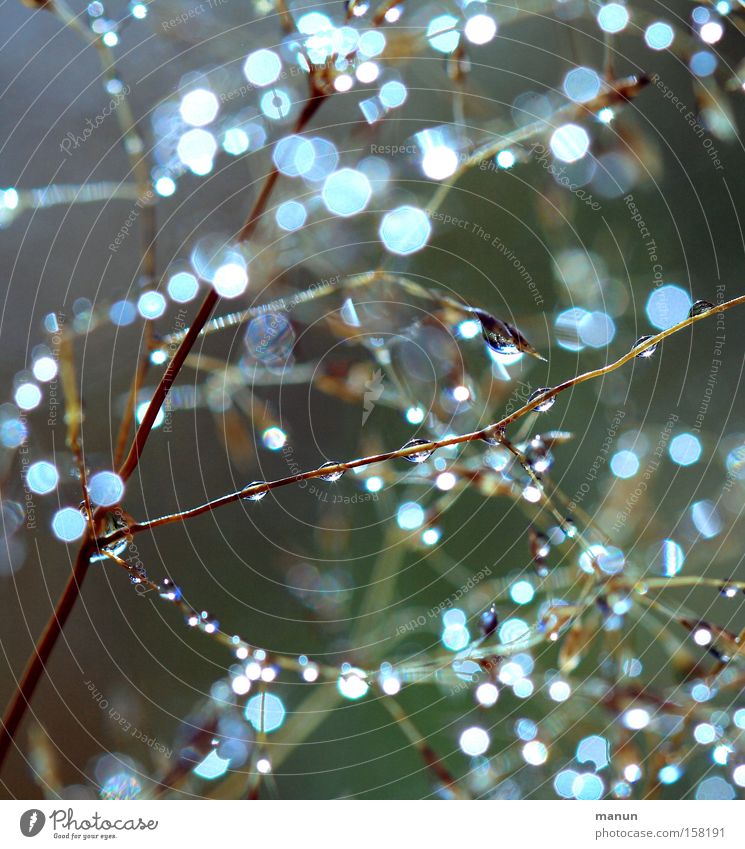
pixel 685 449
pixel 505 159
pixel 352 685
pixel 405 230
pixel 487 694
pixel 262 67
pixel 367 72
pixel 522 592
pixel 346 192
pixel 165 186
pixel 45 369
pixel 199 107
pixel 624 464
pixel 410 516
pixel 711 32
pixel 265 712
pixel 559 691
pixel 706 518
pixel 235 141
pixel 535 753
pixel 274 438
pixel 196 149
pixel 42 477
pixel 443 34
pixel 569 143
pixel 659 35
pixel 291 215
pixel 27 396
pixel 68 524
pixel 392 94
pixel 474 741
pixel 480 29
pixel 439 162
pixel 151 305
pixel 446 481
pixel 667 306
pixel 613 17
pixel 230 280
pixel 581 84
pixel 182 287
pixel 142 410
pixel 105 488
pixel 636 719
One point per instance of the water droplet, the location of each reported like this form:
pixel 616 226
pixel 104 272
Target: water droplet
pixel 493 435
pixel 208 622
pixel 728 590
pixel 540 548
pixel 537 455
pixel 137 575
pixel 255 496
pixel 545 405
pixel 489 621
pixel 333 476
pixel 168 590
pixel 648 352
pixel 419 456
pixel 503 338
pixel 700 308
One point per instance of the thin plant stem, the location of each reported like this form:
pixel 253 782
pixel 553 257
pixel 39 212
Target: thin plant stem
pixel 406 451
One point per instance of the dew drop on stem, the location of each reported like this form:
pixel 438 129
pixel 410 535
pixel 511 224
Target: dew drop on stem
pixel 700 308
pixel 489 621
pixel 728 590
pixel 334 475
pixel 544 406
pixel 255 496
pixel 493 435
pixel 418 456
pixel 168 590
pixel 647 352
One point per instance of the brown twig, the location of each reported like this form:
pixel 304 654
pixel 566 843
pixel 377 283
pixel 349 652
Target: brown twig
pixel 42 651
pixel 489 431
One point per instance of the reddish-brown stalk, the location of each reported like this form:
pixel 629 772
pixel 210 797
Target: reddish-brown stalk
pixel 490 430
